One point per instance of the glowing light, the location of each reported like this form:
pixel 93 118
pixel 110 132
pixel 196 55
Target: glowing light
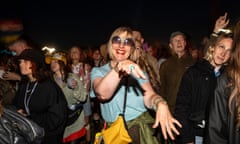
pixel 48 49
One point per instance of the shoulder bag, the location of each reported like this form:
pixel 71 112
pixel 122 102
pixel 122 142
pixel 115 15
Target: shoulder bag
pixel 117 133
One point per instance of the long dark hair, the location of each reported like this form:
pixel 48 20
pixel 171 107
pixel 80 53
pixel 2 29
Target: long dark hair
pixel 41 73
pixel 64 69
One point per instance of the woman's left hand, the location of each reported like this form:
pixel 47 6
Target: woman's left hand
pixel 167 122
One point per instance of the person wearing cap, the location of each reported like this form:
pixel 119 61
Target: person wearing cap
pixel 39 98
pixel 16 47
pixel 74 92
pixel 197 89
pixel 20 44
pixel 172 69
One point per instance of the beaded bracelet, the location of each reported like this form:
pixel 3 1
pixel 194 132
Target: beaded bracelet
pixel 156 101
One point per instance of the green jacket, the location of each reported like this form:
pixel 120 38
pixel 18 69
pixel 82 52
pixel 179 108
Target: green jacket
pixel 73 96
pixel 171 73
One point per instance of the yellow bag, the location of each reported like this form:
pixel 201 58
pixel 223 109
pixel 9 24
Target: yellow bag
pixel 116 133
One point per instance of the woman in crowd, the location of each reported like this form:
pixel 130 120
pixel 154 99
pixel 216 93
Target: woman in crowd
pixel 98 60
pixel 224 118
pixel 75 95
pixel 143 62
pixel 82 70
pixel 197 88
pixel 24 130
pixel 39 98
pixel 107 83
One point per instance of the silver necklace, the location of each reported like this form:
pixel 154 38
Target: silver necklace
pixel 28 97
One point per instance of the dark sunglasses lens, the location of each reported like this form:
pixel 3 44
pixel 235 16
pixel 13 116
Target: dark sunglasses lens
pixel 116 40
pixel 128 42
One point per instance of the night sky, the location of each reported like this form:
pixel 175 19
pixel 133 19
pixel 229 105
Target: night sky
pixel 90 23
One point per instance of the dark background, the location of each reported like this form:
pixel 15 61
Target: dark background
pixel 65 23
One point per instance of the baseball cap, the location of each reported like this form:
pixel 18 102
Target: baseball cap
pixel 173 34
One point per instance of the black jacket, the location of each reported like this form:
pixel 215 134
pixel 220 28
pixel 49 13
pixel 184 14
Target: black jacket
pixel 17 129
pixel 195 91
pixel 222 126
pixel 48 108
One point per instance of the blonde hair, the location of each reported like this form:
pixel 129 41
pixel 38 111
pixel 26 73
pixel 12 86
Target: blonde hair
pixel 117 32
pixel 210 46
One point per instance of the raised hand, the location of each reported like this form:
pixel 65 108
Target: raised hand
pixel 221 23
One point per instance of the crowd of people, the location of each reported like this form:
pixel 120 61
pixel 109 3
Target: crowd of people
pixel 175 93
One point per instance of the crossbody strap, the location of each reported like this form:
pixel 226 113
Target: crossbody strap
pixel 125 79
pixel 125 95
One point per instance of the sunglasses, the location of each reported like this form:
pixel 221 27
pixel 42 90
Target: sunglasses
pixel 125 42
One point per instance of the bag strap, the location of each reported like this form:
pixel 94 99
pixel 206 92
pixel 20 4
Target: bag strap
pixel 125 95
pixel 124 104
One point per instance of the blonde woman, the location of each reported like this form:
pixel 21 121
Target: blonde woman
pixel 224 118
pixel 107 84
pixel 197 88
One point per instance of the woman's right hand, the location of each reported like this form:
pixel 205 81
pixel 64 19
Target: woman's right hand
pixel 129 67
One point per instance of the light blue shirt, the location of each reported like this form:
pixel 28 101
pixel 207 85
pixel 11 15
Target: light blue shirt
pixel 112 108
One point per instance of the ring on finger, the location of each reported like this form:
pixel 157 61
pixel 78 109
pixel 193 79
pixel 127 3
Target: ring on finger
pixel 131 67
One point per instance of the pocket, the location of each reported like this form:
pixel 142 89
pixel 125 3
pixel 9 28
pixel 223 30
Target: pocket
pixel 198 119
